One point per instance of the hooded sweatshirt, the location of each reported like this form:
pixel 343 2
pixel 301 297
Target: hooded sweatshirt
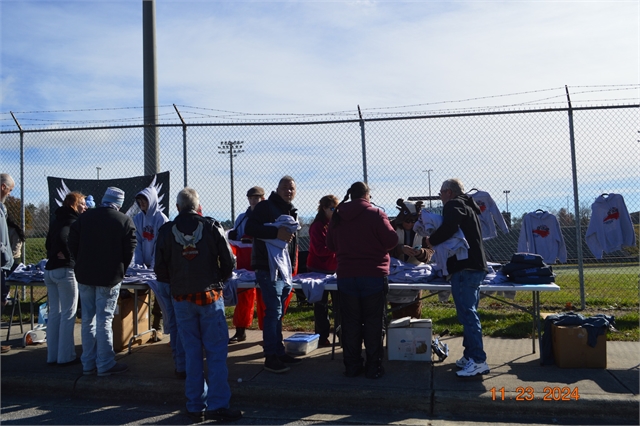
pixel 462 213
pixel 361 240
pixel 610 227
pixel 147 226
pixel 541 234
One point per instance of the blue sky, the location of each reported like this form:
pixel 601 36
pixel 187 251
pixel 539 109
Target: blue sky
pixel 266 57
pixel 288 56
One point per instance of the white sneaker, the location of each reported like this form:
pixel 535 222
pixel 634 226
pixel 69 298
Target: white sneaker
pixel 471 369
pixel 462 362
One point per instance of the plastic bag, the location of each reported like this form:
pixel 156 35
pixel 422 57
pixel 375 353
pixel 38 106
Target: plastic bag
pixel 43 314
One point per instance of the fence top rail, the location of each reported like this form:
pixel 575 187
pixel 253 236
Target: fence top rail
pixel 307 123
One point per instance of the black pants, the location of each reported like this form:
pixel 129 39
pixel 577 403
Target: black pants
pixel 362 319
pixel 321 314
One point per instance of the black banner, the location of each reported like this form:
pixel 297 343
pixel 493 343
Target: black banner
pixel 60 187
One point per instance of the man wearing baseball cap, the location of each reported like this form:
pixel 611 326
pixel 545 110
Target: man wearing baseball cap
pixel 243 312
pixel 102 242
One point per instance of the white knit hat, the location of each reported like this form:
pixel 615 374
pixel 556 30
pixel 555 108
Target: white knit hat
pixel 113 195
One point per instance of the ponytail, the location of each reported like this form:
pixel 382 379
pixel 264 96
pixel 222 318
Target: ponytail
pixel 355 191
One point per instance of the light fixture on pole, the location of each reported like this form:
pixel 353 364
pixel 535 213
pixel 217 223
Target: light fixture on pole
pixel 506 195
pixel 429 178
pixel 98 170
pixel 232 148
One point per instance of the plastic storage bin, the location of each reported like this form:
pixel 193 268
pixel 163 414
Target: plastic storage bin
pixel 301 343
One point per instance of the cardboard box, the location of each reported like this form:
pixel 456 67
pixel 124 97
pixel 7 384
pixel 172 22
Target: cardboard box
pixel 409 340
pixel 301 343
pixel 123 321
pixel 570 348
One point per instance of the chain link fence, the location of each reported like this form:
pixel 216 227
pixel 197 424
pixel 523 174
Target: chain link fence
pixel 523 159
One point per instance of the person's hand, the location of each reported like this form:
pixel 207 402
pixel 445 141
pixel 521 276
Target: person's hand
pixel 284 234
pixel 61 255
pixel 410 251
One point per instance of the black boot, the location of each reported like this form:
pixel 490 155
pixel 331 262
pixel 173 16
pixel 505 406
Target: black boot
pixel 240 335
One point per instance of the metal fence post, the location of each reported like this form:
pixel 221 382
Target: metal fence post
pixel 576 201
pixel 364 148
pixel 184 145
pixel 22 211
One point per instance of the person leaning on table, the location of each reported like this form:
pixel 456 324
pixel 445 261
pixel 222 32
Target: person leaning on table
pixel 60 279
pixel 361 236
pixel 461 212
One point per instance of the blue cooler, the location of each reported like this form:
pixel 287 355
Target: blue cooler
pixel 301 343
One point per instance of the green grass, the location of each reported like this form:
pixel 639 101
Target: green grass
pixel 497 320
pixel 35 250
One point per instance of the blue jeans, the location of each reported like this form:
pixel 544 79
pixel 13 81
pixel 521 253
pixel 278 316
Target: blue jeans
pixel 62 294
pixel 98 307
pixel 465 286
pixel 274 294
pixel 204 326
pixel 163 296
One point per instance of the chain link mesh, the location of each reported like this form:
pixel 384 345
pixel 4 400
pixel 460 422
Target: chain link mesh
pixel 522 158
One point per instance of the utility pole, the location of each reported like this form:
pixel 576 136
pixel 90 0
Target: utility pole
pixel 506 195
pixel 429 177
pixel 98 170
pixel 150 88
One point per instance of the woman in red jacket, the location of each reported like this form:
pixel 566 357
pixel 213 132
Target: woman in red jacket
pixel 323 260
pixel 361 236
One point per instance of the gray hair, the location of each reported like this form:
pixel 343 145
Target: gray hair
pixel 455 185
pixel 6 179
pixel 188 199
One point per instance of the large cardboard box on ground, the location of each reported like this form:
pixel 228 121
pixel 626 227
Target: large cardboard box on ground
pixel 570 348
pixel 123 321
pixel 409 340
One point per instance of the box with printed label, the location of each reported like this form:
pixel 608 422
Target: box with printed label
pixel 409 340
pixel 123 320
pixel 571 350
pixel 301 343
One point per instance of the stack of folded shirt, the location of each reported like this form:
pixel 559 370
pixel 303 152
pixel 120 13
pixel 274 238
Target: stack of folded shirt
pixel 528 268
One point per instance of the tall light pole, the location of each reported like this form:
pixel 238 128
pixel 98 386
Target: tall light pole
pixel 506 195
pixel 233 148
pixel 98 170
pixel 429 177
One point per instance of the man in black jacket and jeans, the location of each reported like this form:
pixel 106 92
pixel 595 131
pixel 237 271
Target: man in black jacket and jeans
pixel 102 242
pixel 274 292
pixel 194 257
pixel 460 212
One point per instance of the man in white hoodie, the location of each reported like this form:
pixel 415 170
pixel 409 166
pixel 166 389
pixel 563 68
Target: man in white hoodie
pixel 147 223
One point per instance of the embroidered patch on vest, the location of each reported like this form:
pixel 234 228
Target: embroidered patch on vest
pixel 188 242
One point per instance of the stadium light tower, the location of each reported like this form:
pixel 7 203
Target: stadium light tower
pixel 429 178
pixel 232 148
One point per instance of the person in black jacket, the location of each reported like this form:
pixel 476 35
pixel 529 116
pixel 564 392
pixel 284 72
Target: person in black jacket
pixel 102 242
pixel 274 292
pixel 461 212
pixel 194 257
pixel 62 287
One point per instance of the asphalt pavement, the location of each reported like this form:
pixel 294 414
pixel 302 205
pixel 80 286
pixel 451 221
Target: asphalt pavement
pixel 605 396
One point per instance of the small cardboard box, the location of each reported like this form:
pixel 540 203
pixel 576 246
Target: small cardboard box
pixel 409 340
pixel 301 343
pixel 570 348
pixel 123 321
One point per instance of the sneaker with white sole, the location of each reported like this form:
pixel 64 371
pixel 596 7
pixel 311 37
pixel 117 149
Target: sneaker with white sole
pixel 462 362
pixel 472 368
